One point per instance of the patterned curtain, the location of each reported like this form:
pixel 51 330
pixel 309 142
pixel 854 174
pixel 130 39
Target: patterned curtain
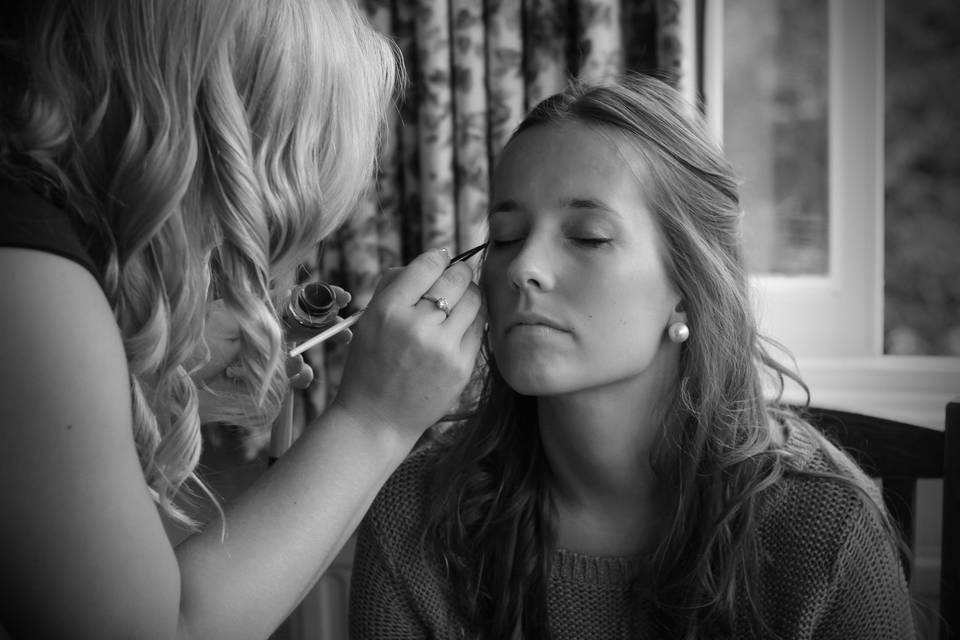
pixel 474 69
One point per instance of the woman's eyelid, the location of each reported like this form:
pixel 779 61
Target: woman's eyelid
pixel 590 243
pixel 506 234
pixel 595 221
pixel 592 232
pixel 508 222
pixel 503 226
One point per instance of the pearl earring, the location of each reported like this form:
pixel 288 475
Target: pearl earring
pixel 678 332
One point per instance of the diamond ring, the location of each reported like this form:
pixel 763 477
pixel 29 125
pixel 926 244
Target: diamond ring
pixel 442 303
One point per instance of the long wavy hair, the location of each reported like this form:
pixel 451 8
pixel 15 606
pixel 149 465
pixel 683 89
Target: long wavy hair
pixel 210 144
pixel 715 454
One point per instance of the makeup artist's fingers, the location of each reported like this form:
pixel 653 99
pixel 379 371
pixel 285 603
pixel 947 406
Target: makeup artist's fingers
pixel 468 320
pixel 406 367
pixel 299 373
pixel 465 310
pixel 344 337
pixel 451 285
pixel 342 296
pixel 473 336
pixel 387 276
pixel 406 285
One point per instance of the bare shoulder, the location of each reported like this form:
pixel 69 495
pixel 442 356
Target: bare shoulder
pixel 83 530
pixel 58 334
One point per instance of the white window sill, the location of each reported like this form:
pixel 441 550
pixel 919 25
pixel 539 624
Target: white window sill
pixel 905 388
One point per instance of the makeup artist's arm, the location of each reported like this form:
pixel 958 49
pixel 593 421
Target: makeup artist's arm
pixel 82 549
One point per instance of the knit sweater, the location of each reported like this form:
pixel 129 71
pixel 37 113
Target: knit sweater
pixel 831 573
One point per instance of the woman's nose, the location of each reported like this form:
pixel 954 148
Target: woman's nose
pixel 531 267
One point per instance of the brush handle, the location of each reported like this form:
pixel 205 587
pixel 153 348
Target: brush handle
pixel 326 334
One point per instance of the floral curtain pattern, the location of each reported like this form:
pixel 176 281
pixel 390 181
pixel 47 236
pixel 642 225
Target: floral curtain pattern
pixel 474 68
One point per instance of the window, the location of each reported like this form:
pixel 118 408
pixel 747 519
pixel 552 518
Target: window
pixel 795 90
pixel 775 126
pixel 922 178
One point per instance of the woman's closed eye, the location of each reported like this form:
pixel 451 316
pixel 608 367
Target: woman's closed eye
pixel 498 242
pixel 590 232
pixel 591 241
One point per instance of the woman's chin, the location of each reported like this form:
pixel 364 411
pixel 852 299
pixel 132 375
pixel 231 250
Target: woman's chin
pixel 529 381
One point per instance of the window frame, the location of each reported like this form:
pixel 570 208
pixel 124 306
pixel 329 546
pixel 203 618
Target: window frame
pixel 833 324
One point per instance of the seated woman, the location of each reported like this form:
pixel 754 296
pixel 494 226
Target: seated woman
pixel 623 474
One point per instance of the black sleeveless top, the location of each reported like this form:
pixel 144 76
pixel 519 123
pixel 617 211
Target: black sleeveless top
pixel 30 222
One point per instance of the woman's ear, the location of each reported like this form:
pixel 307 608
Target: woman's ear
pixel 679 313
pixel 678 331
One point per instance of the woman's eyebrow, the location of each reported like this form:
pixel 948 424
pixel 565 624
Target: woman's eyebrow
pixel 588 203
pixel 505 206
pixel 585 204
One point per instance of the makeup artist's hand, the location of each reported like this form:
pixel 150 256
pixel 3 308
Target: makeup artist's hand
pixel 220 378
pixel 409 360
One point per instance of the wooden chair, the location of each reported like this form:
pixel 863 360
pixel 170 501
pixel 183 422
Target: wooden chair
pixel 900 454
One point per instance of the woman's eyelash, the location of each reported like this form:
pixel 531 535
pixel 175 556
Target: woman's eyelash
pixel 592 242
pixel 589 242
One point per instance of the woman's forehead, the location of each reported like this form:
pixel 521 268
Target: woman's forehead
pixel 577 138
pixel 570 161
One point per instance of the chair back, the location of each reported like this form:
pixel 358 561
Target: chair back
pixel 899 454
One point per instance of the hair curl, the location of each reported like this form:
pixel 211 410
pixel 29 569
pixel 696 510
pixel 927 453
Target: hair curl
pixel 210 144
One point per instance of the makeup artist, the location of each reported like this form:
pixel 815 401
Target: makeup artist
pixel 158 159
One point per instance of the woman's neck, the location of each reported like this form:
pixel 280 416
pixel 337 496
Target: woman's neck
pixel 597 451
pixel 598 445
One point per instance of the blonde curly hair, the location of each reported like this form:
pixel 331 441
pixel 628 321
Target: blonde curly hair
pixel 210 144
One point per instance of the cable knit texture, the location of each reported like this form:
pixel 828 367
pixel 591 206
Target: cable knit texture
pixel 830 572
